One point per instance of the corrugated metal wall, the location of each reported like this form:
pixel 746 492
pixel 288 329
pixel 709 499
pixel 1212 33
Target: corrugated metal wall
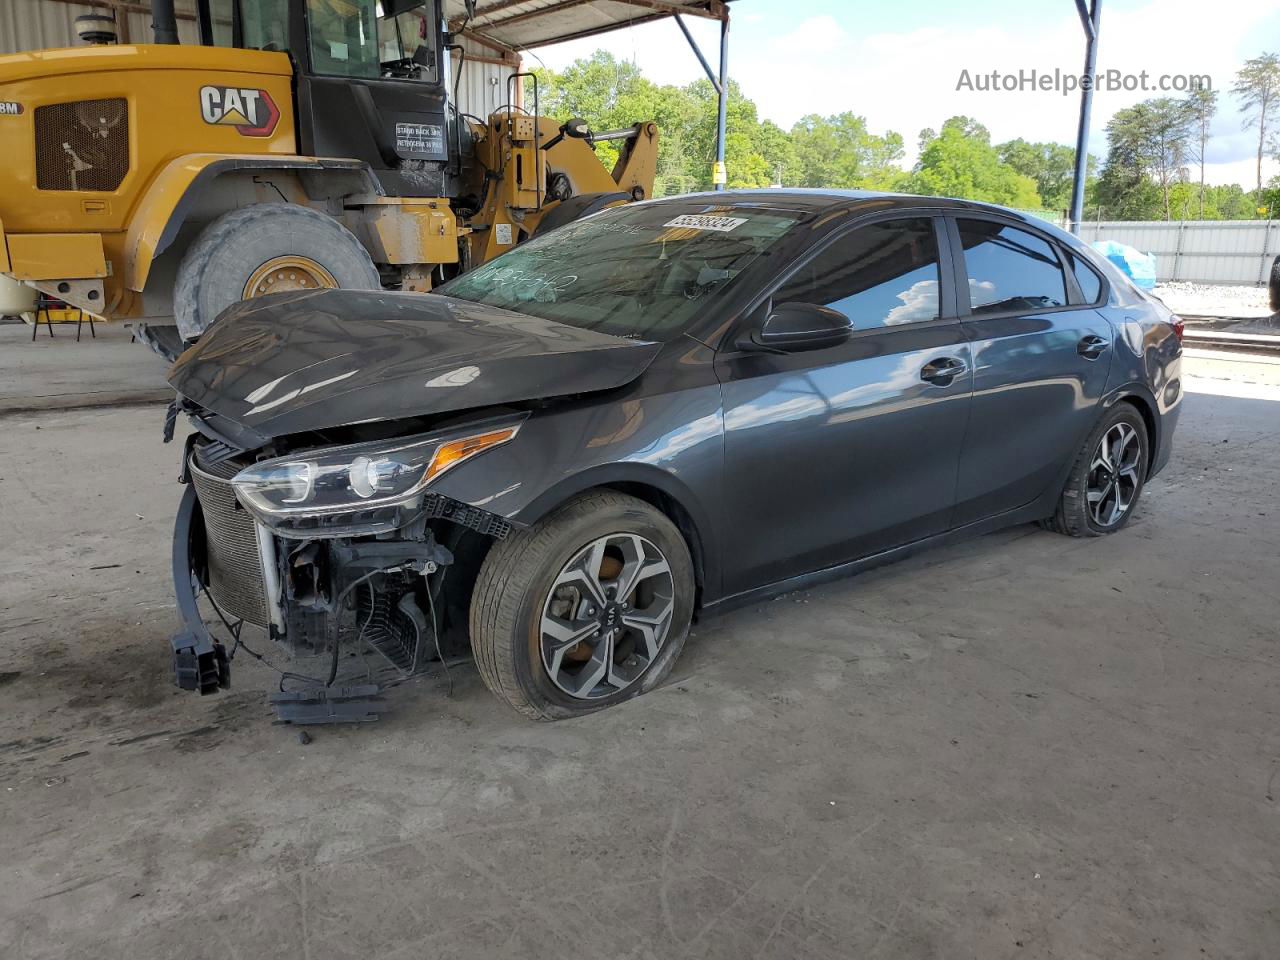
pixel 482 87
pixel 42 24
pixel 1201 251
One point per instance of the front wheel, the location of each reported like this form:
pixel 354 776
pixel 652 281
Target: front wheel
pixel 589 607
pixel 1107 477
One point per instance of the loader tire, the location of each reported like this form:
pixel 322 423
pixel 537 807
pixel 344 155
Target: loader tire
pixel 265 248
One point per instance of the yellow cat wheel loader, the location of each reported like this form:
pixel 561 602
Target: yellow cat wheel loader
pixel 303 143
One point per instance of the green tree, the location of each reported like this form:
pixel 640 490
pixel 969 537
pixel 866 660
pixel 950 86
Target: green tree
pixel 1258 87
pixel 1202 104
pixel 961 162
pixel 1148 145
pixel 608 93
pixel 1050 165
pixel 839 151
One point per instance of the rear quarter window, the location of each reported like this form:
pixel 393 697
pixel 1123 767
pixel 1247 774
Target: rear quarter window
pixel 1010 269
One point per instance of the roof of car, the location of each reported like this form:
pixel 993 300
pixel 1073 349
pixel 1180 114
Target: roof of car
pixel 812 200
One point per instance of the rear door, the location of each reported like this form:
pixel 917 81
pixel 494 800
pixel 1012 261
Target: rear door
pixel 841 452
pixel 1041 356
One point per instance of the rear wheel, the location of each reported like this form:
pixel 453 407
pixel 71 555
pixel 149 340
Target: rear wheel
pixel 266 248
pixel 587 608
pixel 1107 477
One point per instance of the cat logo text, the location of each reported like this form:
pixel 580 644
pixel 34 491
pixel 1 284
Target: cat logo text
pixel 252 112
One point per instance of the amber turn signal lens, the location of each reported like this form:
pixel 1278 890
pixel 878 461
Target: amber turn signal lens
pixel 455 451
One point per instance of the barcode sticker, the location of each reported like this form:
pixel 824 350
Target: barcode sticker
pixel 700 221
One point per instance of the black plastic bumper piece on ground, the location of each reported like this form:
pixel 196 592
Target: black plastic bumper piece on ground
pixel 327 704
pixel 206 671
pixel 199 662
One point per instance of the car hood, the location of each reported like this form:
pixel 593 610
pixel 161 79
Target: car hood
pixel 304 361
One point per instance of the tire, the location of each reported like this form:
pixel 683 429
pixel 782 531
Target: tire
pixel 216 268
pixel 513 594
pixel 1077 515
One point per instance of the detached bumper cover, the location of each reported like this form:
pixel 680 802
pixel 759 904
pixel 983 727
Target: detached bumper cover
pixel 199 662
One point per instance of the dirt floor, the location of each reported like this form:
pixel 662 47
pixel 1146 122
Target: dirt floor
pixel 1022 746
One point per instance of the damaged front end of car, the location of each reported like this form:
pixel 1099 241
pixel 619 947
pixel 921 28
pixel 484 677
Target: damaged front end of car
pixel 322 421
pixel 327 549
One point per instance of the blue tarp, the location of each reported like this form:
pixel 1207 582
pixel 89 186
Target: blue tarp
pixel 1137 266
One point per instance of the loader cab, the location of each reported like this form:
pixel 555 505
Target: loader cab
pixel 370 81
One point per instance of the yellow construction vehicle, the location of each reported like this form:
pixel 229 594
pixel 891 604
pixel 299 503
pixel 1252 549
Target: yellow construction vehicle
pixel 304 143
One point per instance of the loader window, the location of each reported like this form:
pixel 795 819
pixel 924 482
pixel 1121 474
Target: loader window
pixel 344 38
pixel 263 23
pixel 408 45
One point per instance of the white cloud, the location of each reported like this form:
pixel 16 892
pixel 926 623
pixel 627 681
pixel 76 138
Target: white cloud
pixel 919 302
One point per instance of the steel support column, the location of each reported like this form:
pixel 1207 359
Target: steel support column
pixel 1090 17
pixel 719 83
pixel 719 176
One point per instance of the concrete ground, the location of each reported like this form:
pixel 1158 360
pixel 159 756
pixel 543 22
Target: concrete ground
pixel 57 373
pixel 1022 746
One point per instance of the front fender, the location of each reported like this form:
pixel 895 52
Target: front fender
pixel 672 444
pixel 167 203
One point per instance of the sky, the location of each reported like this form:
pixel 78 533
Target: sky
pixel 899 63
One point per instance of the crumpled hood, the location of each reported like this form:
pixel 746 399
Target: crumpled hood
pixel 303 361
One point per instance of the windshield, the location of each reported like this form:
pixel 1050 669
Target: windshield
pixel 643 271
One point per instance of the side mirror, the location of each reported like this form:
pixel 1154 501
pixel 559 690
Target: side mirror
pixel 803 326
pixel 1274 285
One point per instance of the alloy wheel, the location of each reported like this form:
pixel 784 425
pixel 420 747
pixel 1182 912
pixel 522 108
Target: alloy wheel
pixel 1113 481
pixel 607 616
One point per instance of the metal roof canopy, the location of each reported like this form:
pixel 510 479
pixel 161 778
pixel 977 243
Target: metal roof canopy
pixel 514 25
pixel 509 26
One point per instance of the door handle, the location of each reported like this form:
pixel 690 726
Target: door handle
pixel 1091 347
pixel 943 370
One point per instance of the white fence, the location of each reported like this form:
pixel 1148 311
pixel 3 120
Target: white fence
pixel 1201 251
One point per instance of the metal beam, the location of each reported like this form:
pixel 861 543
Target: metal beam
pixel 719 173
pixel 489 42
pixel 532 14
pixel 697 52
pixel 718 12
pixel 1090 20
pixel 490 9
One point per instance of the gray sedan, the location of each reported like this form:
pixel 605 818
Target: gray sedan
pixel 560 458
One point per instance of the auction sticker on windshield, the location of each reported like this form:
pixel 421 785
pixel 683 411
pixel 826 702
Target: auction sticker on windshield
pixel 700 221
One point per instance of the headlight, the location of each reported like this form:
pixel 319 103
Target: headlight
pixel 367 478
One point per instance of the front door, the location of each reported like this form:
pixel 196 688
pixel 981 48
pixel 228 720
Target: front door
pixel 1041 354
pixel 846 451
pixel 375 92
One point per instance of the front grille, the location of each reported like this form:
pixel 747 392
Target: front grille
pixel 235 562
pixel 82 145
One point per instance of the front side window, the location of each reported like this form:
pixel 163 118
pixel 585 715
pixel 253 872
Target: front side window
pixel 884 274
pixel 645 271
pixel 344 38
pixel 1009 269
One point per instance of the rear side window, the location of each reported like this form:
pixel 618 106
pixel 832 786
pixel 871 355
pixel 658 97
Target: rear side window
pixel 1009 269
pixel 884 274
pixel 1090 283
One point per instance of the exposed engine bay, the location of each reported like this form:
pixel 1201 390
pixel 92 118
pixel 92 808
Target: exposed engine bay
pixel 360 582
